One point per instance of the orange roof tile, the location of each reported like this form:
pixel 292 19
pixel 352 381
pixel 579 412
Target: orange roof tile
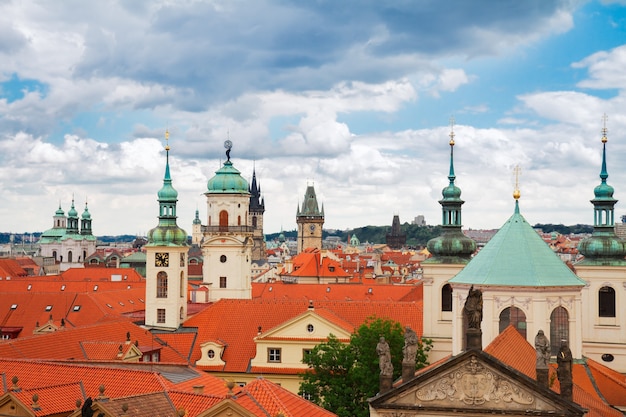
pixel 340 292
pixel 236 322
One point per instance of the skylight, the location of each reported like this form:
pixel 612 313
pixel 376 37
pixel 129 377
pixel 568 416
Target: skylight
pixel 13 306
pixel 77 308
pixel 48 307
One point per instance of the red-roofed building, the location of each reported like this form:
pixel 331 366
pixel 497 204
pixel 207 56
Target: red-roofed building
pixel 314 267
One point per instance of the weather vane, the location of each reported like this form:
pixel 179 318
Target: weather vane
pixel 451 130
pixel 517 171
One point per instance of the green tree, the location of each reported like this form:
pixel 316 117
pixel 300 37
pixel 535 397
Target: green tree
pixel 341 377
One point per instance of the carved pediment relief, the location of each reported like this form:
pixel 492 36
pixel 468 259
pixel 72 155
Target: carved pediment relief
pixel 469 384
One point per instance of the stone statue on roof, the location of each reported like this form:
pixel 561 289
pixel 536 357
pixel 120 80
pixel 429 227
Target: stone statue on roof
pixel 473 308
pixel 564 361
pixel 410 345
pixel 542 346
pixel 384 357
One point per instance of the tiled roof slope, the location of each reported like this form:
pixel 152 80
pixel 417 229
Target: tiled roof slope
pixel 311 263
pixel 235 322
pixel 10 268
pixel 339 292
pixel 517 256
pixel 101 274
pixel 52 399
pixel 67 345
pixel 512 349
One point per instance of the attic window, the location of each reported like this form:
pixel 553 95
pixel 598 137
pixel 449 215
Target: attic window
pixel 63 287
pixel 270 289
pixel 331 268
pixel 128 287
pixel 76 308
pixel 48 307
pixel 95 288
pixel 121 303
pixel 310 328
pixel 13 306
pixel 327 289
pixel 131 301
pixel 141 300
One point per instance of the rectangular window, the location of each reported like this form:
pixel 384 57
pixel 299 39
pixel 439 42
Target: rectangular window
pixel 222 282
pixel 273 355
pixel 160 315
pixel 161 285
pixel 305 354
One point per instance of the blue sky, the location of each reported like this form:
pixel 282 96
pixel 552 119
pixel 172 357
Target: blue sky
pixel 352 96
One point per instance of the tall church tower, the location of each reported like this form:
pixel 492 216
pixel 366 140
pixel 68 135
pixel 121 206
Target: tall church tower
pixel 450 253
pixel 603 269
pixel 196 230
pixel 166 262
pixel 255 219
pixel 310 221
pixel 395 239
pixel 227 244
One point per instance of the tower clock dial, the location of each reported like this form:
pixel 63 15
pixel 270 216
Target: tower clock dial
pixel 312 227
pixel 162 259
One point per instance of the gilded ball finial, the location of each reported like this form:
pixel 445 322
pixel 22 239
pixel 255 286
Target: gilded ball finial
pixel 517 171
pixel 167 139
pixel 604 129
pixel 451 130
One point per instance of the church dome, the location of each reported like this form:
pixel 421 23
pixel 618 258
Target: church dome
pixel 227 180
pixel 603 191
pixel 86 215
pixel 600 246
pixel 72 212
pixel 451 192
pixel 452 243
pixel 59 212
pixel 167 192
pixel 170 235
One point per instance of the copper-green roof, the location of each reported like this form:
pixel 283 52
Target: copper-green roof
pixel 517 256
pixel 227 180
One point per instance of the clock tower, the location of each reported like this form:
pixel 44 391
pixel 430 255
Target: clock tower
pixel 310 221
pixel 166 262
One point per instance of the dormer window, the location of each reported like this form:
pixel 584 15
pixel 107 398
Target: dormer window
pixel 95 288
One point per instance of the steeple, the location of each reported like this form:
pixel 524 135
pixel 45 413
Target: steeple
pixel 452 246
pixel 72 219
pixel 85 222
pixel 603 247
pixel 167 233
pixel 256 202
pixel 197 219
pixel 310 207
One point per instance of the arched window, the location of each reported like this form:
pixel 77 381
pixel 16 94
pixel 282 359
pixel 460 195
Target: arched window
pixel 606 302
pixel 182 284
pixel 182 314
pixel 446 298
pixel 515 317
pixel 69 256
pixel 162 284
pixel 238 220
pixel 559 328
pixel 54 255
pixel 223 220
pixel 254 221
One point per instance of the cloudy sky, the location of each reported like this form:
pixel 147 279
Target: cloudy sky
pixel 354 97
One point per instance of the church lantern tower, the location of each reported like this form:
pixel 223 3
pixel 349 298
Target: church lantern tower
pixel 166 262
pixel 227 237
pixel 310 221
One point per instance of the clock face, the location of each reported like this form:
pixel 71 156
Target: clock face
pixel 312 227
pixel 161 259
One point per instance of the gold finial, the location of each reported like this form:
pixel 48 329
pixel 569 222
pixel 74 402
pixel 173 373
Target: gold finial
pixel 167 139
pixel 604 129
pixel 451 130
pixel 517 171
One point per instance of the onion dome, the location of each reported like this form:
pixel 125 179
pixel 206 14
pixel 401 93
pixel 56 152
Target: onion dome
pixel 452 246
pixel 72 213
pixel 227 179
pixel 167 233
pixel 603 247
pixel 59 211
pixel 86 215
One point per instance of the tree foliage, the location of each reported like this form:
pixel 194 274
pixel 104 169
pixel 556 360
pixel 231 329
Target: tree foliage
pixel 341 377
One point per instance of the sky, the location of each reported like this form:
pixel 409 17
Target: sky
pixel 353 97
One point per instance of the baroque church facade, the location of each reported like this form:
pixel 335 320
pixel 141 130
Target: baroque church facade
pixel 70 240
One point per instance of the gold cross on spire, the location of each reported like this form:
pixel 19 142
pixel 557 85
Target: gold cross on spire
pixel 517 171
pixel 604 129
pixel 167 139
pixel 451 130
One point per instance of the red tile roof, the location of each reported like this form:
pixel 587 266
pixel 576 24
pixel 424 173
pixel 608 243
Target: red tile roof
pixel 312 263
pixel 339 292
pixel 236 322
pixel 512 349
pixel 10 269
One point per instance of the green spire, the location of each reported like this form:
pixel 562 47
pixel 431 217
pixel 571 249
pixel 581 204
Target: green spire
pixel 72 219
pixel 603 247
pixel 452 246
pixel 167 233
pixel 197 219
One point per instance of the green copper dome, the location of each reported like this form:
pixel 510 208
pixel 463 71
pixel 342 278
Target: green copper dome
pixel 451 192
pixel 72 212
pixel 86 215
pixel 227 180
pixel 59 211
pixel 171 235
pixel 603 191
